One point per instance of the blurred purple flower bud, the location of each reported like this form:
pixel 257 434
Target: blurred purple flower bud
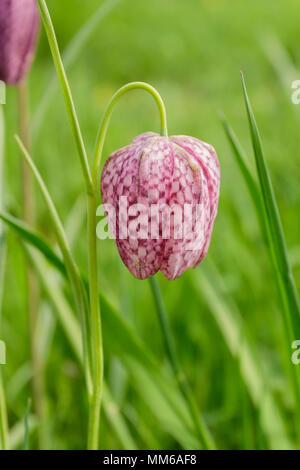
pixel 177 181
pixel 19 26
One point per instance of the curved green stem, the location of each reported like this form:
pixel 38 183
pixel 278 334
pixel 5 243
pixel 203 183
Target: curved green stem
pixel 96 332
pixel 95 340
pixel 203 433
pixel 108 112
pixel 92 324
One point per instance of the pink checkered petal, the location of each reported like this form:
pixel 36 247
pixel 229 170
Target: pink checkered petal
pixel 208 160
pixel 144 137
pixel 190 200
pixel 158 177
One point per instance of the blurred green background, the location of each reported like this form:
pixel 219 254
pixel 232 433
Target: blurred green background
pixel 192 52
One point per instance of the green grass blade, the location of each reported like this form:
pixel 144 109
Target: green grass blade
pixel 69 323
pixel 71 329
pixel 277 243
pixel 231 326
pixel 69 56
pixel 78 288
pixel 122 340
pixel 167 406
pixel 278 250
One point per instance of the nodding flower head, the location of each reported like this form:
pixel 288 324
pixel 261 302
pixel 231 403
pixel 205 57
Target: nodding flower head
pixel 160 197
pixel 19 26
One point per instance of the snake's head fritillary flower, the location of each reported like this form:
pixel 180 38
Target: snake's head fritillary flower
pixel 160 196
pixel 19 26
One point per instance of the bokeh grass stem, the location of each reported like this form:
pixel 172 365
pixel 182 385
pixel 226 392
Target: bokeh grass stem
pixel 203 433
pixel 3 408
pixel 32 296
pixel 71 267
pixel 158 388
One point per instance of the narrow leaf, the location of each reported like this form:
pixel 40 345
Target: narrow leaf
pixel 78 288
pixel 122 340
pixel 275 232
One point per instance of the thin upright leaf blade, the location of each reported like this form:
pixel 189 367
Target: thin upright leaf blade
pixel 274 226
pixel 71 329
pixel 78 288
pixel 122 340
pixel 278 252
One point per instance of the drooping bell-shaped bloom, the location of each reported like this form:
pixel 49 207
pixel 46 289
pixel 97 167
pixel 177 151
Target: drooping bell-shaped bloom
pixel 19 26
pixel 160 196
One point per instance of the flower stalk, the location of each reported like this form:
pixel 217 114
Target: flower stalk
pixel 205 439
pixel 96 331
pixel 108 112
pixel 93 334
